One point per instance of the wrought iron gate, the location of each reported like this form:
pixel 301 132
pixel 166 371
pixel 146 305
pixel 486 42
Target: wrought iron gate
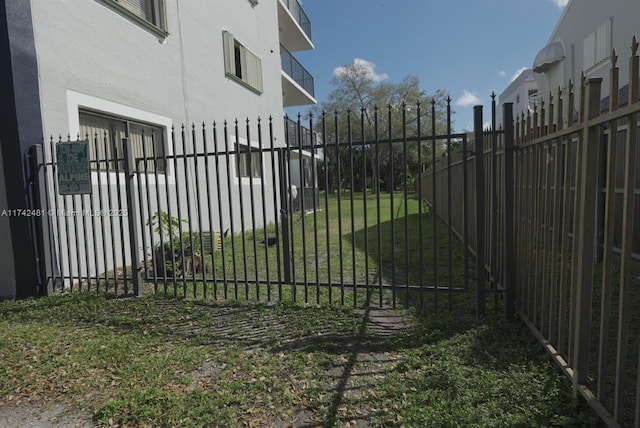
pixel 336 214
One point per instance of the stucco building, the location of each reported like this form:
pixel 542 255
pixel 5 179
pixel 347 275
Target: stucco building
pixel 583 40
pixel 136 68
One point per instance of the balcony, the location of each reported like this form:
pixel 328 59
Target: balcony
pixel 297 83
pixel 300 136
pixel 294 25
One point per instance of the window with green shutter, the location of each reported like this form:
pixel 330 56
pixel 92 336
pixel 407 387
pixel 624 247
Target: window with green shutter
pixel 241 64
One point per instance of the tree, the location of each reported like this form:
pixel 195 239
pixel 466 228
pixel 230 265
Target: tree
pixel 361 117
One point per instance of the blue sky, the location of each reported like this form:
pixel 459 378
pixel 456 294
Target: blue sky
pixel 466 47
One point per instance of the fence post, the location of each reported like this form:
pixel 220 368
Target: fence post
pixel 38 182
pixel 628 224
pixel 586 196
pixel 132 215
pixel 480 212
pixel 285 195
pixel 509 248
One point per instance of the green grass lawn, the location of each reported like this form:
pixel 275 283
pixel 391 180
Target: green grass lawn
pixel 287 360
pixel 156 361
pixel 373 247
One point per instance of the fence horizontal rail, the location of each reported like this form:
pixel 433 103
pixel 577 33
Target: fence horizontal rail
pixel 568 191
pixel 223 211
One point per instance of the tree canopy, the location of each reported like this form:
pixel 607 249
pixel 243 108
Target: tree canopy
pixel 365 115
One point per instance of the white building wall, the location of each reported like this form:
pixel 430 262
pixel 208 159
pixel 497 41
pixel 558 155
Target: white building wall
pixel 90 56
pixel 518 93
pixel 91 49
pixel 580 19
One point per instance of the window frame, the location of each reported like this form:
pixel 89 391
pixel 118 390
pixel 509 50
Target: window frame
pixel 250 73
pixel 78 100
pixel 247 157
pixel 119 125
pixel 158 8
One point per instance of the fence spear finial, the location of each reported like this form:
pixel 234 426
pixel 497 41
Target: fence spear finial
pixel 570 86
pixel 634 46
pixel 614 58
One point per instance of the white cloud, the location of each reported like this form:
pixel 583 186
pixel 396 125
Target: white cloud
pixel 517 73
pixel 502 73
pixel 361 66
pixel 560 3
pixel 469 127
pixel 468 99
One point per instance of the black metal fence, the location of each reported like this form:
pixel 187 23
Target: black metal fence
pixel 232 215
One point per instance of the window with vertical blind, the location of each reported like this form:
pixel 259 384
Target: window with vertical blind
pixel 248 162
pixel 241 64
pixel 597 46
pixel 150 13
pixel 106 151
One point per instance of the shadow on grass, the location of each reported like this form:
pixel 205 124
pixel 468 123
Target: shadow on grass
pixel 366 350
pixel 407 251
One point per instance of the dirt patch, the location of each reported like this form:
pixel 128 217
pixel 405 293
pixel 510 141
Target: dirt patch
pixel 29 415
pixel 365 365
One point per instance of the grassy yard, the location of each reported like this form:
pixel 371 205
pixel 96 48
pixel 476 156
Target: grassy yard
pixel 193 362
pixel 373 241
pixel 156 361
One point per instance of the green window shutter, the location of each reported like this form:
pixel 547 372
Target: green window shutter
pixel 249 67
pixel 254 71
pixel 229 55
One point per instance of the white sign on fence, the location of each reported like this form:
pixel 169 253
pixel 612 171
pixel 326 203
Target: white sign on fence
pixel 74 174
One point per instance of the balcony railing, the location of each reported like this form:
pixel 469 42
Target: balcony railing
pixel 299 136
pixel 299 15
pixel 298 73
